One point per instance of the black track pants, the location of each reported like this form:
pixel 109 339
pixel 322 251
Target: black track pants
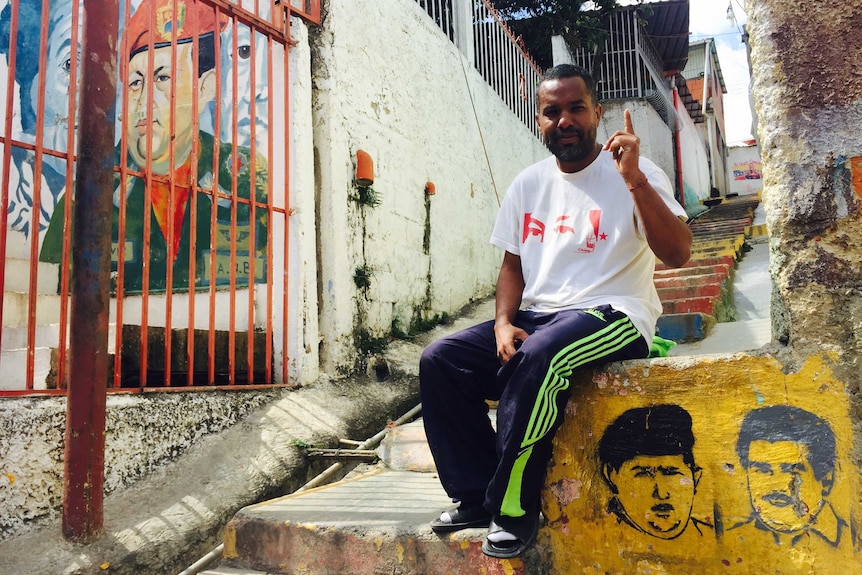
pixel 505 470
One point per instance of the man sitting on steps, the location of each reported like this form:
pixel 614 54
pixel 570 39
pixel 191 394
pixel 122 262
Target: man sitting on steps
pixel 580 231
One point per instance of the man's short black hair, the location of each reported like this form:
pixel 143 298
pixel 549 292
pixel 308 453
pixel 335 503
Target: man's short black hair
pixel 788 423
pixel 561 71
pixel 654 430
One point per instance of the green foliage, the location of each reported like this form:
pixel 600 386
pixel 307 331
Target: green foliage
pixel 537 20
pixel 418 325
pixel 368 197
pixel 370 345
pixel 362 276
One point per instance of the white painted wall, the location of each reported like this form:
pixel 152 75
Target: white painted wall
pixel 695 164
pixel 410 99
pixel 655 136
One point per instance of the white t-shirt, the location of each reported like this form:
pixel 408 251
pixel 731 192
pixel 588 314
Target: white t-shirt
pixel 580 240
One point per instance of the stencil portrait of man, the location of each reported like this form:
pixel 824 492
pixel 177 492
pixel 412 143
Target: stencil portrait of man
pixel 647 461
pixel 789 457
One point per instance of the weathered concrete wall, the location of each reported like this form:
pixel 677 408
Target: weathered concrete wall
pixel 656 139
pixel 808 97
pixel 388 81
pixel 142 434
pixel 728 464
pixel 695 164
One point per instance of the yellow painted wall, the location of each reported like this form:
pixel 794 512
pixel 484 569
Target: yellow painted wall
pixel 717 392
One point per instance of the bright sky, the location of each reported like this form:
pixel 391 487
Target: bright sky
pixel 708 18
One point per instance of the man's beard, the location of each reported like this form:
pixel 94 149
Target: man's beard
pixel 571 152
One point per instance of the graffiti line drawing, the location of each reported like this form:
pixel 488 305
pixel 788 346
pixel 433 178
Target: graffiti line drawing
pixel 789 457
pixel 647 460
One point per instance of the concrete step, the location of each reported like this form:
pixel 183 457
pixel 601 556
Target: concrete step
pixel 16 311
pixel 723 270
pixel 374 523
pixel 729 261
pixel 14 369
pixel 692 291
pixel 17 278
pixel 688 279
pixel 713 306
pixel 16 337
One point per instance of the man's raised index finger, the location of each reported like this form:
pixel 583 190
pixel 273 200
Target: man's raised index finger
pixel 630 129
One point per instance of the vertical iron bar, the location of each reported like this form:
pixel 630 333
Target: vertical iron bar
pixel 7 153
pixel 83 483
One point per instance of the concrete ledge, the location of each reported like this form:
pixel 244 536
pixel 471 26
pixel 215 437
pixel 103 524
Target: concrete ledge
pixel 374 523
pixel 587 531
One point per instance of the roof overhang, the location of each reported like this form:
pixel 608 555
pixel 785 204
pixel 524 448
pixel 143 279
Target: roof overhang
pixel 667 28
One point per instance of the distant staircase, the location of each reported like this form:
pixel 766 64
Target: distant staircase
pixel 700 294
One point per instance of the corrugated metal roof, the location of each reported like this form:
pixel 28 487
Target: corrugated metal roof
pixel 667 27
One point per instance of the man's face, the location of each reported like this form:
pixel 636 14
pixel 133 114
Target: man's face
pixel 784 492
pixel 158 116
pixel 58 79
pixel 568 119
pixel 240 64
pixel 657 493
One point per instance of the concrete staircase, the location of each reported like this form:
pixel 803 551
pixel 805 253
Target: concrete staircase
pixel 17 317
pixel 377 521
pixel 696 297
pixel 373 522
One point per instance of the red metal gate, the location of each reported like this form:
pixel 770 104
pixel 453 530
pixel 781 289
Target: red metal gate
pixel 201 193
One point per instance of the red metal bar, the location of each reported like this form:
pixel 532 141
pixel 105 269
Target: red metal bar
pixel 36 206
pixel 172 183
pixel 235 167
pixel 270 272
pixel 85 415
pixel 252 240
pixel 284 272
pixel 121 208
pixel 7 154
pixel 193 218
pixel 67 205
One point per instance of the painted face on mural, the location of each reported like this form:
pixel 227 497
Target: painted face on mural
pixel 656 493
pixel 154 120
pixel 58 80
pixel 248 94
pixel 784 492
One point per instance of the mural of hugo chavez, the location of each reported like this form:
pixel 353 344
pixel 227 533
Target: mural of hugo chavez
pixel 172 194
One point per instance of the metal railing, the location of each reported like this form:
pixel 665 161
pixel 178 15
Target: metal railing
pixel 199 223
pixel 629 66
pixel 496 52
pixel 307 9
